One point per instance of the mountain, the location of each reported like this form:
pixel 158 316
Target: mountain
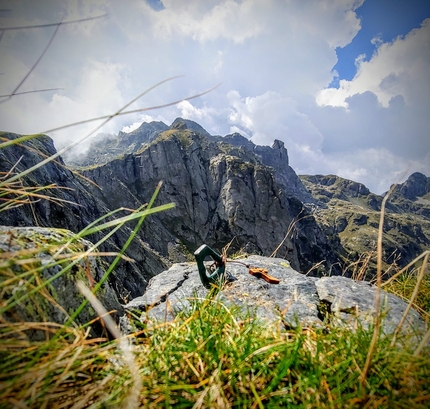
pixel 228 192
pixel 223 192
pixel 71 206
pixel 349 212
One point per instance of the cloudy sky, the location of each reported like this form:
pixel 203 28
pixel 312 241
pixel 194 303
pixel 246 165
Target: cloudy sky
pixel 344 83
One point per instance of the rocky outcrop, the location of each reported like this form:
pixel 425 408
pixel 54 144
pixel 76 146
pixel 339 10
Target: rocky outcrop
pixel 223 194
pixel 104 147
pixel 413 195
pixel 416 186
pixel 49 259
pixel 297 299
pixel 349 215
pixel 71 205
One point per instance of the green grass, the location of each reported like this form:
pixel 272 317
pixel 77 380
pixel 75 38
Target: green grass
pixel 210 356
pixel 215 356
pixel 403 286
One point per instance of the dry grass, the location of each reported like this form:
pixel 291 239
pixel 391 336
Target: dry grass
pixel 210 356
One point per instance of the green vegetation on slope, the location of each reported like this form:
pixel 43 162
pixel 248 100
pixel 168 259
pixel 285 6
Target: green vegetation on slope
pixel 209 356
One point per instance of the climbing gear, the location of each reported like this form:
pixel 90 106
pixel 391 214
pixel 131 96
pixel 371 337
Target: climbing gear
pixel 217 269
pixel 262 273
pixel 217 273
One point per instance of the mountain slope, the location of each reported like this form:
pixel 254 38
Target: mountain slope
pixel 226 190
pixel 222 192
pixel 350 212
pixel 72 206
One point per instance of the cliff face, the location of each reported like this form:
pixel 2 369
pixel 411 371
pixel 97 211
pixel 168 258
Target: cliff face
pixel 226 190
pixel 71 206
pixel 223 193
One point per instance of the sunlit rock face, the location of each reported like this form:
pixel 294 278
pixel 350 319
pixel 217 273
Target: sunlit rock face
pixel 223 193
pixel 296 300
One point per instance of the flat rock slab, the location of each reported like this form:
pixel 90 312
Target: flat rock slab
pixel 296 299
pixel 348 298
pixel 34 248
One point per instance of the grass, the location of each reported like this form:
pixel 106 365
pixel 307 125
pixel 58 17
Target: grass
pixel 404 285
pixel 215 356
pixel 211 355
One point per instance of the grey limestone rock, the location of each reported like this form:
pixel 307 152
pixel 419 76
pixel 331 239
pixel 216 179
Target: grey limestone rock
pixel 30 250
pixel 74 207
pixel 348 298
pixel 296 299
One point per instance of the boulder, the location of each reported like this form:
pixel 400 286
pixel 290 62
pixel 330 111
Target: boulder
pixel 297 299
pixel 72 206
pixel 29 258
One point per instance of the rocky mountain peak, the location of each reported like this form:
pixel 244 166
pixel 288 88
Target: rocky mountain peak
pixel 351 213
pixel 417 185
pixel 225 188
pixel 181 123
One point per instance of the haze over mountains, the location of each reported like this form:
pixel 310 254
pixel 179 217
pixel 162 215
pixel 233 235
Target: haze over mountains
pixel 226 190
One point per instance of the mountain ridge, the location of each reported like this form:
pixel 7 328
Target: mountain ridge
pixel 228 191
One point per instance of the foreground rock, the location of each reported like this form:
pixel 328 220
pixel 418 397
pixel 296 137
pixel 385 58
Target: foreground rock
pixel 28 259
pixel 70 205
pixel 297 298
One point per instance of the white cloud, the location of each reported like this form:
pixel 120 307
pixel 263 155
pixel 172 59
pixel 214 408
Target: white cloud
pixel 270 116
pixel 271 56
pixel 143 118
pixel 96 94
pixel 335 21
pixel 400 67
pixel 132 127
pixel 378 169
pixel 206 21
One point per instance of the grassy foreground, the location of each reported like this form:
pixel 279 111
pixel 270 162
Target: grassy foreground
pixel 213 356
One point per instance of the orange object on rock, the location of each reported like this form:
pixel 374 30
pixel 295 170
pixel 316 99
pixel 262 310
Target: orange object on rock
pixel 263 273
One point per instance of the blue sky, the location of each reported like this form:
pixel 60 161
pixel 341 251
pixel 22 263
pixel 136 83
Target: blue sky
pixel 384 19
pixel 291 70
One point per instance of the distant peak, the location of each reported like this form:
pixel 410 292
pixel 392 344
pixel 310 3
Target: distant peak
pixel 178 124
pixel 277 144
pixel 416 185
pixel 181 123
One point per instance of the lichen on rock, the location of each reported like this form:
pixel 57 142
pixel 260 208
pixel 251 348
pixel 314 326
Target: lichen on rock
pixel 38 273
pixel 297 300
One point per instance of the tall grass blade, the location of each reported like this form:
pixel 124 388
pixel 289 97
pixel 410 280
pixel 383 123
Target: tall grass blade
pixel 377 321
pixel 132 399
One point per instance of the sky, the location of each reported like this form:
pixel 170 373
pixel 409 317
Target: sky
pixel 344 83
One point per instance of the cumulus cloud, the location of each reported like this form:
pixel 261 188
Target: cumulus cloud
pixel 271 116
pixel 274 59
pixel 209 20
pixel 399 67
pixel 142 119
pixel 96 94
pixel 380 116
pixel 377 168
pixel 336 22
